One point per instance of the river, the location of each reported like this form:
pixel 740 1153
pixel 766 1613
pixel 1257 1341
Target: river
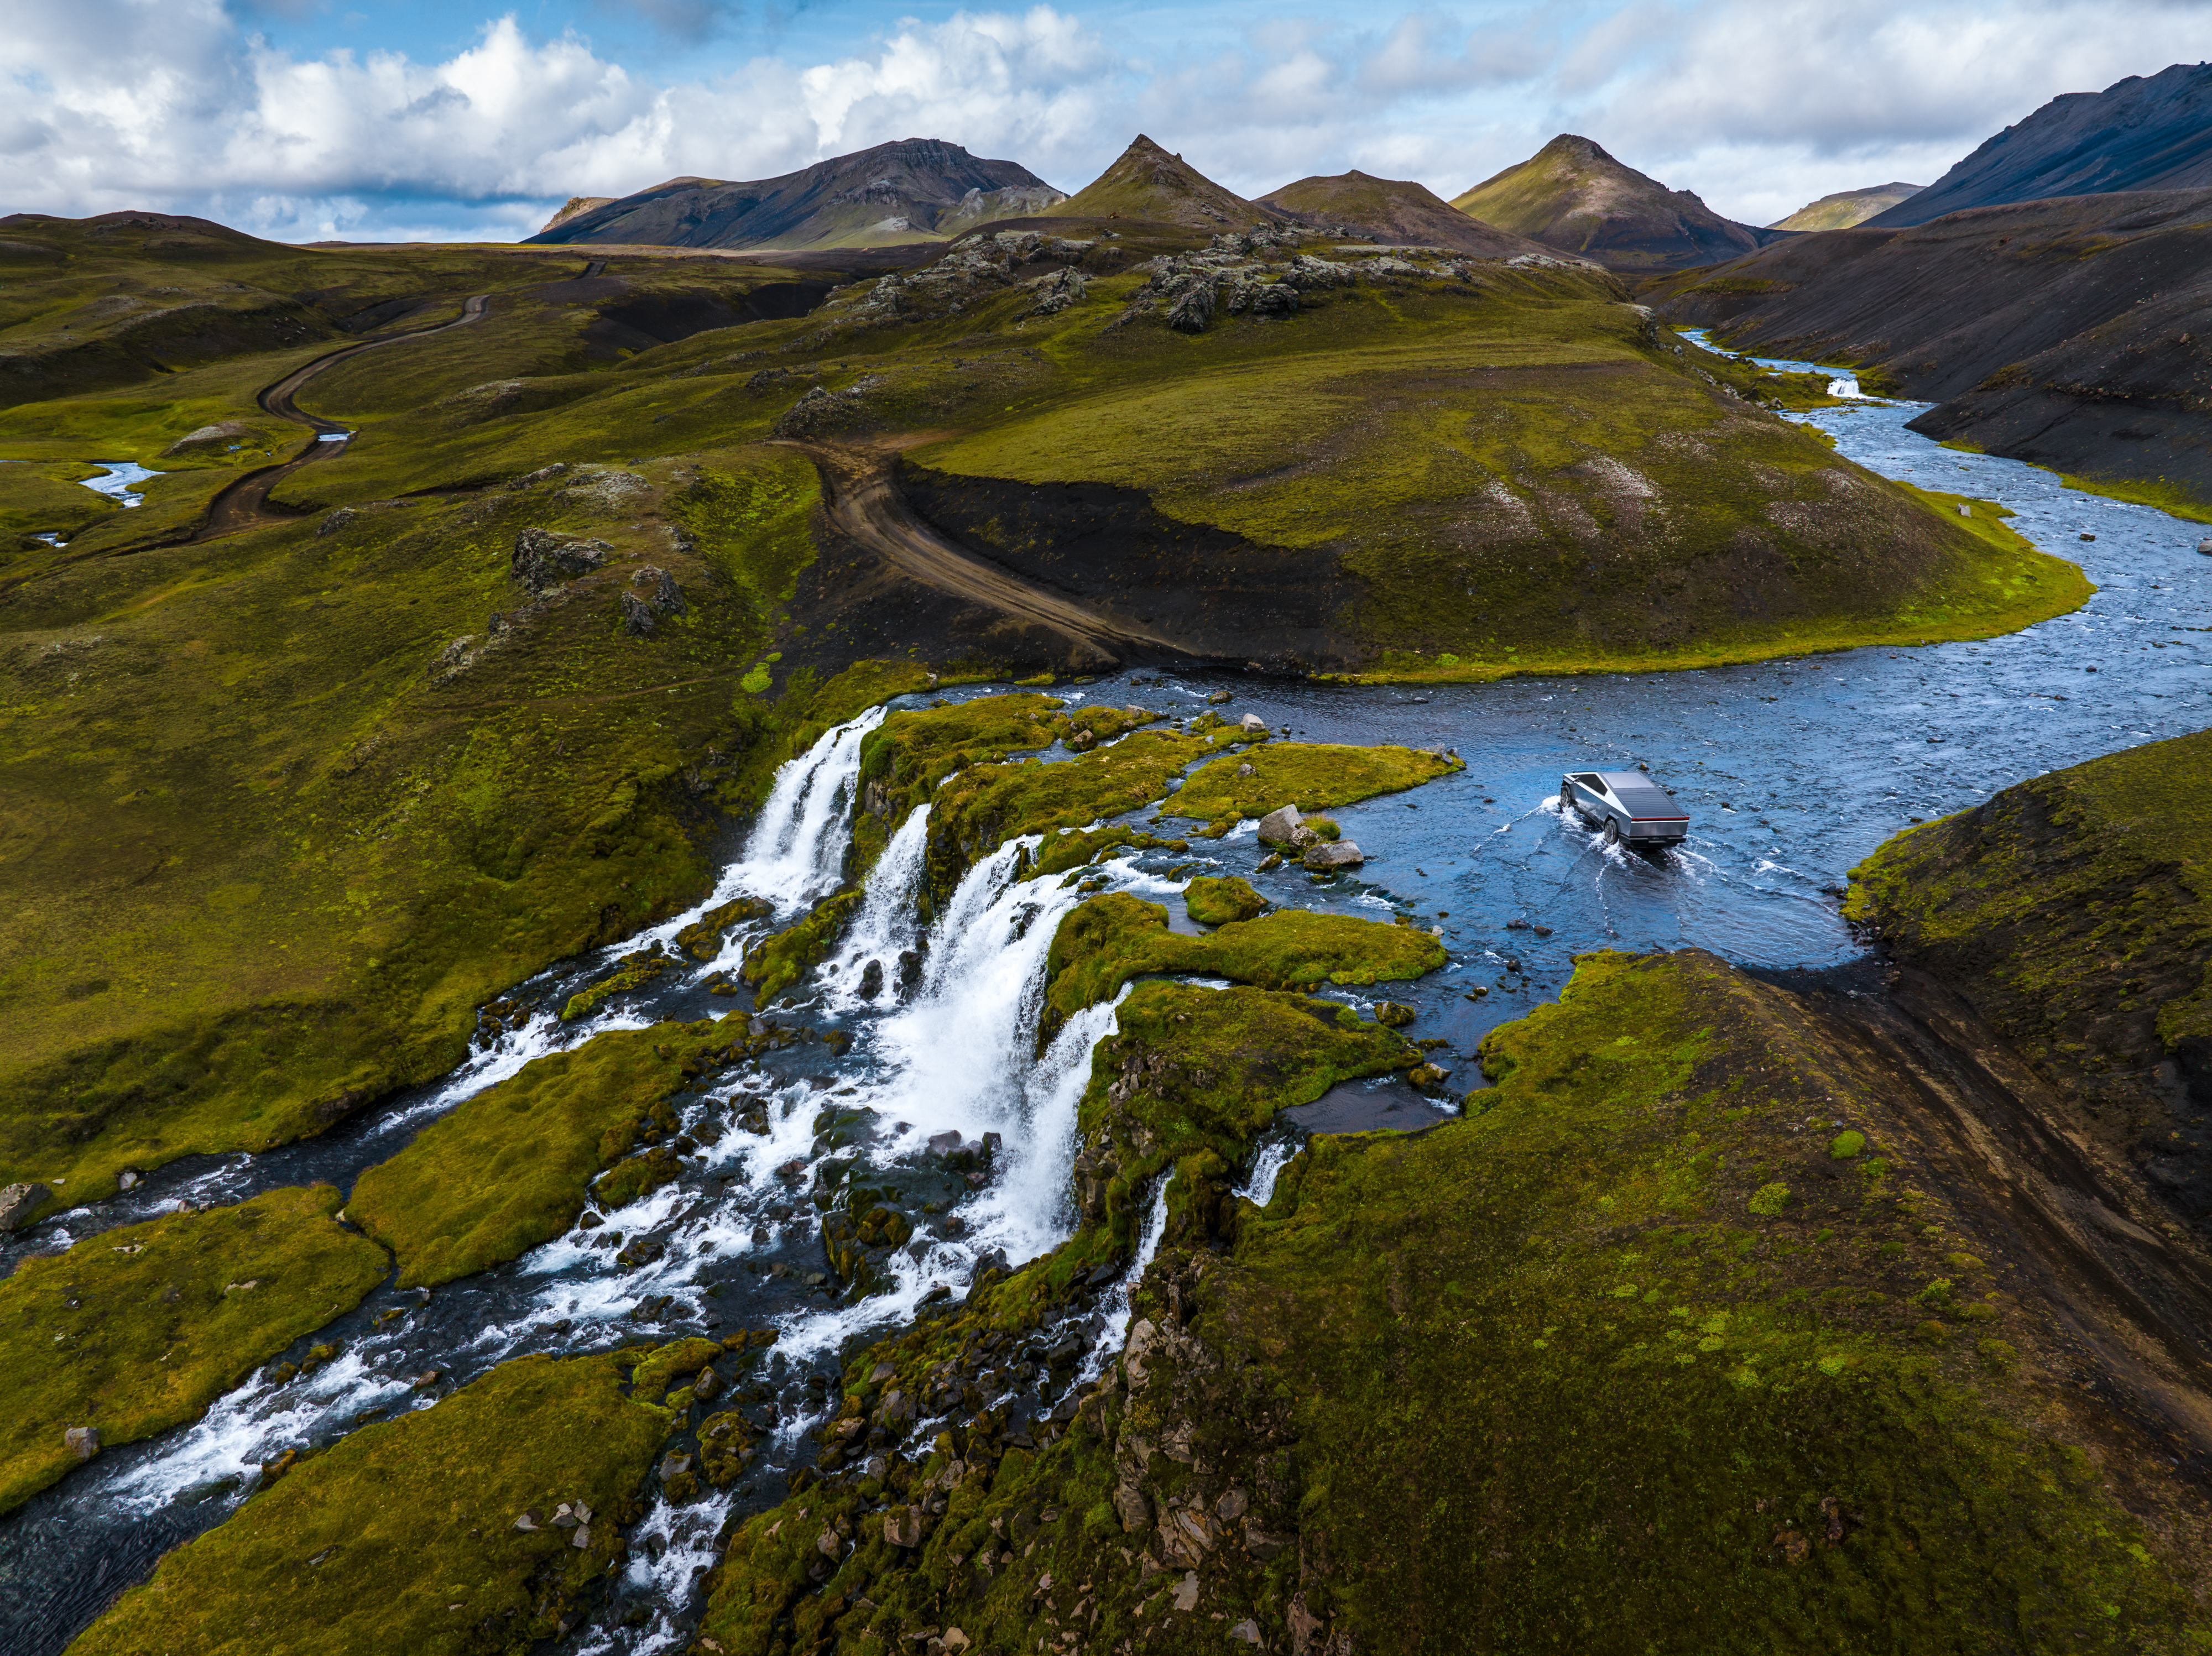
pixel 1792 770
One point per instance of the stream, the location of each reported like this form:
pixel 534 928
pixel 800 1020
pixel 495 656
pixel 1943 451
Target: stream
pixel 1792 771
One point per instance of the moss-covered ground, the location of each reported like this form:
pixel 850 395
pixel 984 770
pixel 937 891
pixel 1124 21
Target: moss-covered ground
pixel 403 1539
pixel 512 1167
pixel 1111 939
pixel 2074 911
pixel 1312 776
pixel 139 1329
pixel 1670 1347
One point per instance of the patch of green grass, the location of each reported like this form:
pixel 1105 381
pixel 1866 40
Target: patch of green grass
pixel 136 1329
pixel 1311 775
pixel 510 1168
pixel 2075 908
pixel 1218 901
pixel 2171 498
pixel 1111 939
pixel 401 1538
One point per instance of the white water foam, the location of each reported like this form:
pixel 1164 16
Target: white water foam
pixel 1115 1305
pixel 1259 1185
pixel 887 926
pixel 796 852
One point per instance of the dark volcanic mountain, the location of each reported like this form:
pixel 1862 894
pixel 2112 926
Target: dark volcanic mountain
pixel 1146 182
pixel 2136 133
pixel 2069 333
pixel 1395 211
pixel 915 189
pixel 1575 198
pixel 1847 207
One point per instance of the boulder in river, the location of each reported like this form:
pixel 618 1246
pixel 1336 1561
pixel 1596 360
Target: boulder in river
pixel 83 1441
pixel 1330 855
pixel 1280 826
pixel 18 1202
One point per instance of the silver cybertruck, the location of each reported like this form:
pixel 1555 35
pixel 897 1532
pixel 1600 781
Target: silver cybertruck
pixel 1626 806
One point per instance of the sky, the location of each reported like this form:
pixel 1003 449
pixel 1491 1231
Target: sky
pixel 451 119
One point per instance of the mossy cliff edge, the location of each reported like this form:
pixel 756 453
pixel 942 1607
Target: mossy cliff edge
pixel 1674 1345
pixel 2073 912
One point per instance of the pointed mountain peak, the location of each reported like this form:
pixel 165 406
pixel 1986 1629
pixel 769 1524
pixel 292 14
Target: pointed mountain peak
pixel 1147 182
pixel 1575 198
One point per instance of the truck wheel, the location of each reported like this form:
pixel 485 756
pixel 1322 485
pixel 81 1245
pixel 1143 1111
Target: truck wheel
pixel 1566 800
pixel 1613 830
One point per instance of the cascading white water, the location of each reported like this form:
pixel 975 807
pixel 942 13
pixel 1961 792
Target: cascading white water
pixel 1259 1187
pixel 887 924
pixel 796 851
pixel 1115 1305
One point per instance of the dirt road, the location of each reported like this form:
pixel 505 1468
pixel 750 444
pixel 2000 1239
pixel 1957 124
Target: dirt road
pixel 244 505
pixel 861 497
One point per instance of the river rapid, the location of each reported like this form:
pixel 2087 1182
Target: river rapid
pixel 1792 771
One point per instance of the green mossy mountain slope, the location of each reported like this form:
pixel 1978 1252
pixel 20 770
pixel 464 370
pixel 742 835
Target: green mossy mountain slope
pixel 139 1329
pixel 401 1538
pixel 1629 1360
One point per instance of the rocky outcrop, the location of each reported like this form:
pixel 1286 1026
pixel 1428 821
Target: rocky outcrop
pixel 544 558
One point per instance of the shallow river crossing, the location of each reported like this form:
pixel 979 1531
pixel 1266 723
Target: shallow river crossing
pixel 1792 770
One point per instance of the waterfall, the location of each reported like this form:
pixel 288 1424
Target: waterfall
pixel 1259 1187
pixel 1115 1305
pixel 797 850
pixel 886 927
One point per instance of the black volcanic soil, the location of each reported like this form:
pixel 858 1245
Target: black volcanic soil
pixel 2069 333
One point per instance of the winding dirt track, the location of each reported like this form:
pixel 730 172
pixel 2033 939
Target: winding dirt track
pixel 244 505
pixel 862 500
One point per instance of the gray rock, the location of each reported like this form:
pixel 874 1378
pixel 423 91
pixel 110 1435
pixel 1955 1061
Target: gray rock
pixel 1328 854
pixel 902 1528
pixel 582 1538
pixel 18 1202
pixel 128 1179
pixel 337 520
pixel 1133 1506
pixel 2204 547
pixel 223 435
pixel 1193 307
pixel 82 1441
pixel 638 618
pixel 1278 827
pixel 1252 722
pixel 706 1386
pixel 1186 1594
pixel 541 558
